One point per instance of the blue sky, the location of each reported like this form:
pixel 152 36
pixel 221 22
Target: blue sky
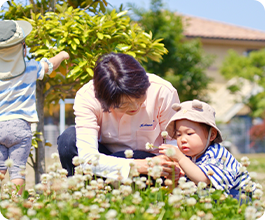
pixel 245 13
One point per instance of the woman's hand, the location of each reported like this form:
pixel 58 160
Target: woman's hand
pixel 178 173
pixel 164 162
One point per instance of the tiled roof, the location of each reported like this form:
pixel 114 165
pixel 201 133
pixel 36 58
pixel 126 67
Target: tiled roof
pixel 204 28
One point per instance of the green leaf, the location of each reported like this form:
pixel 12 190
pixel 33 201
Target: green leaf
pixel 73 72
pixel 123 47
pixel 122 13
pixel 100 36
pixel 90 71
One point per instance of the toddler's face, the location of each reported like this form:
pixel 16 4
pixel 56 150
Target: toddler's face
pixel 191 137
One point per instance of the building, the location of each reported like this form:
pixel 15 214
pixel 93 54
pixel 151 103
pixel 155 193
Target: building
pixel 217 39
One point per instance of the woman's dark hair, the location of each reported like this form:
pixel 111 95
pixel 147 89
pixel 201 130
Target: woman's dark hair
pixel 117 75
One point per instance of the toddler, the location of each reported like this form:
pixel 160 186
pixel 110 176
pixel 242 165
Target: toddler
pixel 17 96
pixel 199 152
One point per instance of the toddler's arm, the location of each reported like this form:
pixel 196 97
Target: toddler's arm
pixel 56 61
pixel 192 171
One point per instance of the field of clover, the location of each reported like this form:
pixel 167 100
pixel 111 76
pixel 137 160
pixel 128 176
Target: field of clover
pixel 86 196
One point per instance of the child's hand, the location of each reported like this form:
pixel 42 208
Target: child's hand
pixel 64 55
pixel 171 151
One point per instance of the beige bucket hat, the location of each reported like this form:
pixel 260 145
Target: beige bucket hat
pixel 12 34
pixel 196 111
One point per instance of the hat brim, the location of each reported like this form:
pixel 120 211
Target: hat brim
pixel 199 119
pixel 27 28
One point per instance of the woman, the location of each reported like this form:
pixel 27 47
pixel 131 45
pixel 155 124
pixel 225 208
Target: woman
pixel 122 108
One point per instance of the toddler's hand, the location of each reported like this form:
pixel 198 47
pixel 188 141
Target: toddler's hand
pixel 168 150
pixel 171 151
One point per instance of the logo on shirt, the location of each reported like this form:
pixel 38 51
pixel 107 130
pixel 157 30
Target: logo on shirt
pixel 147 125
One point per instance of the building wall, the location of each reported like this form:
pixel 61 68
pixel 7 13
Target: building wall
pixel 219 49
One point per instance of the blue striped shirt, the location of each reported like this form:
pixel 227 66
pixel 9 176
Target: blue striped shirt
pixel 17 95
pixel 225 167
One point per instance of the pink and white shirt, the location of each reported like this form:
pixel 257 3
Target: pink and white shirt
pixel 118 131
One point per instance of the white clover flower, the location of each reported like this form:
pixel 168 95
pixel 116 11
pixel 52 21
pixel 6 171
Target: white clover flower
pixel 164 134
pixel 201 213
pixel 95 163
pixel 149 161
pixel 97 156
pixel 127 181
pixel 128 153
pixel 258 193
pixel 4 204
pixel 253 175
pixel 77 195
pixel 259 186
pixel 156 171
pixel 210 172
pixel 159 181
pixel 24 217
pixel 63 172
pixel 126 190
pixel 257 204
pixel 250 213
pixel 149 146
pixel 55 156
pixel 170 152
pixel 208 216
pixel 79 170
pixel 177 191
pixel 168 182
pixel 182 179
pixel 156 161
pixel 31 212
pixel 243 196
pixel 9 163
pixel 132 164
pixel 111 214
pixel 116 192
pixel 259 214
pixel 212 190
pixel 195 217
pixel 76 161
pixel 154 189
pixel 93 183
pixel 191 201
pixel 201 185
pixel 90 194
pixel 245 161
pixel 136 198
pixel 94 208
pixel 208 205
pixel 173 199
pixel 143 178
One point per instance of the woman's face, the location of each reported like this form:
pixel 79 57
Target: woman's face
pixel 130 106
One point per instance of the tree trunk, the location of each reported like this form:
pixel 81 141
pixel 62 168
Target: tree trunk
pixel 40 151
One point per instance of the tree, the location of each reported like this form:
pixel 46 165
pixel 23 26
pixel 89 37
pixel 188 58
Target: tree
pixel 251 68
pixel 86 34
pixel 185 63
